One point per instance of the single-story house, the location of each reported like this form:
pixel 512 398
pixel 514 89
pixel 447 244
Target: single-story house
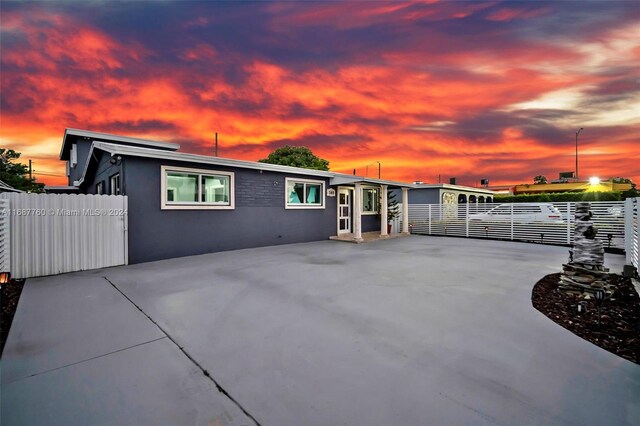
pixel 444 193
pixel 182 204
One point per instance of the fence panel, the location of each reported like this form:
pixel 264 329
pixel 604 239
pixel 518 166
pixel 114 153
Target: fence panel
pixel 632 231
pixel 58 233
pixel 511 222
pixel 5 236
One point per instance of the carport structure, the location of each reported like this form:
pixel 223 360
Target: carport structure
pixel 417 330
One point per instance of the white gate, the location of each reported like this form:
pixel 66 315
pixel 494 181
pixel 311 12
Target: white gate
pixel 472 220
pixel 632 231
pixel 57 233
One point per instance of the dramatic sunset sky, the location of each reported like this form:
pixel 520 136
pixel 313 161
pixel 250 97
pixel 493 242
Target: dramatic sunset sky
pixel 474 90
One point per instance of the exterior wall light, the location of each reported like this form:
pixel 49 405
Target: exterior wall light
pixel 5 277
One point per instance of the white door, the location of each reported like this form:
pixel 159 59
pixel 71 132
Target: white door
pixel 345 196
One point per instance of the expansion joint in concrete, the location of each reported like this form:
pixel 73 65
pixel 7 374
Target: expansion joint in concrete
pixel 181 348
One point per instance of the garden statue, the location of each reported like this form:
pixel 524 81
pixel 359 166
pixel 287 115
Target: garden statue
pixel 585 272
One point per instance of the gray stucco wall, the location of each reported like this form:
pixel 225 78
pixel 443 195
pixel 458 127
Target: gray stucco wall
pixel 101 173
pixel 75 173
pixel 259 217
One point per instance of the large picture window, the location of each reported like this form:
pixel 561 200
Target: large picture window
pixel 184 188
pixel 370 200
pixel 304 194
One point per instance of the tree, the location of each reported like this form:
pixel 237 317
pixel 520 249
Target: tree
pixel 393 210
pixel 15 174
pixel 540 179
pixel 296 156
pixel 622 180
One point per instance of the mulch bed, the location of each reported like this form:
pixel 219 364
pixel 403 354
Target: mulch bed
pixel 9 296
pixel 619 329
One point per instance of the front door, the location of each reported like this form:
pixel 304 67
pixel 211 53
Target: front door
pixel 345 195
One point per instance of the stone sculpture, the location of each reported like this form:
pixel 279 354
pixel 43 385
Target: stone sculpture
pixel 585 272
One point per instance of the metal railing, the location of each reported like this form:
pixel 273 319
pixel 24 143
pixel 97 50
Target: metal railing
pixel 473 220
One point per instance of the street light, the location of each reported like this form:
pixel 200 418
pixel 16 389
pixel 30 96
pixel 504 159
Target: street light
pixel 577 133
pixel 367 168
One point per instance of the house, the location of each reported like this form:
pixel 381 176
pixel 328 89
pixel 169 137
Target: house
pixel 554 187
pixel 182 204
pixel 443 193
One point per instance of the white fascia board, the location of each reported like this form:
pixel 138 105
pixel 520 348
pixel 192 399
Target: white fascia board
pixel 115 138
pixel 135 151
pixel 344 179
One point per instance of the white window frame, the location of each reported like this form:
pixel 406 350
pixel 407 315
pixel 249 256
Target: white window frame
pixel 100 188
pixel 293 206
pixel 112 186
pixel 377 206
pixel 195 205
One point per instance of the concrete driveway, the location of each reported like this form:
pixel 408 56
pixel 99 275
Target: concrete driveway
pixel 414 331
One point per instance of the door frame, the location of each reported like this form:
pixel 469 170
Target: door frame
pixel 350 191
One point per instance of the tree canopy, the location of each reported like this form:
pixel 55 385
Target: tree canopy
pixel 540 179
pixel 16 174
pixel 296 156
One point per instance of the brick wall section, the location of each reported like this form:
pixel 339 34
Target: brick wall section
pixel 260 190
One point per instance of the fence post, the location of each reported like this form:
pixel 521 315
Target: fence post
pixel 511 221
pixel 568 223
pixel 429 218
pixel 636 249
pixel 466 219
pixel 628 230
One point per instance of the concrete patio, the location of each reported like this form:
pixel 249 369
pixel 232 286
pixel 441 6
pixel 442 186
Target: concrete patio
pixel 408 331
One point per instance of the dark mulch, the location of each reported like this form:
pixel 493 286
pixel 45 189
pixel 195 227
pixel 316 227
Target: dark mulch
pixel 619 329
pixel 9 296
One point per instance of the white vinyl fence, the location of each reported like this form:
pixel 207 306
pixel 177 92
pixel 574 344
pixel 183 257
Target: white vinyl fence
pixel 632 231
pixel 461 220
pixel 5 237
pixel 56 233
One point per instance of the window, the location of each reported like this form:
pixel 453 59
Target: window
pixel 115 184
pixel 370 200
pixel 100 188
pixel 73 156
pixel 304 194
pixel 184 188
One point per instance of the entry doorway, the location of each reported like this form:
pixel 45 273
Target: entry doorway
pixel 345 202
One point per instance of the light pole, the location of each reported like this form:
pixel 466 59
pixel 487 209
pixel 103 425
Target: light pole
pixel 577 133
pixel 367 168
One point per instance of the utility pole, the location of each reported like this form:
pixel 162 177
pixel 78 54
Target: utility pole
pixel 216 144
pixel 379 166
pixel 30 172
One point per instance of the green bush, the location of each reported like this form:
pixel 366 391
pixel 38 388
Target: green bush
pixel 559 197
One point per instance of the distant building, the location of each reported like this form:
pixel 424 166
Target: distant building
pixel 444 193
pixel 603 186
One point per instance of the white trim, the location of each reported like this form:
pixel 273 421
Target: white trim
pixel 114 138
pixel 350 194
pixel 73 156
pixel 195 205
pixel 111 184
pixel 305 206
